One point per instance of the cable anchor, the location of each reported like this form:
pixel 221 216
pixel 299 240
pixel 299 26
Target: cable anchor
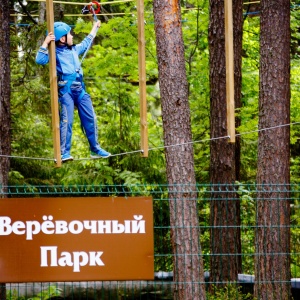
pixel 93 8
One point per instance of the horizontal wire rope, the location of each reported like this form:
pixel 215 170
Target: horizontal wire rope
pixel 75 15
pixel 163 147
pixel 294 6
pixel 78 3
pixel 81 3
pixel 88 15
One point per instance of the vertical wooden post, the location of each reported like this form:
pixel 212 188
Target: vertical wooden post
pixel 142 78
pixel 229 70
pixel 53 85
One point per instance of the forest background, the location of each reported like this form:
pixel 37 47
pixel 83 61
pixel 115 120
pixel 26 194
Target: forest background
pixel 111 76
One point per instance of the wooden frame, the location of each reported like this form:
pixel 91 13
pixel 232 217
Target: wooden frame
pixel 229 70
pixel 142 82
pixel 53 86
pixel 142 78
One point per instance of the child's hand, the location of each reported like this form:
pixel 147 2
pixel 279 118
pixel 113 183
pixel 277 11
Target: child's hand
pixel 50 37
pixel 95 27
pixel 97 24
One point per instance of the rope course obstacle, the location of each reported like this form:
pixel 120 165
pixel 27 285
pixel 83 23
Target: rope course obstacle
pixel 167 146
pixel 229 70
pixel 82 3
pixel 142 82
pixel 53 76
pixel 53 86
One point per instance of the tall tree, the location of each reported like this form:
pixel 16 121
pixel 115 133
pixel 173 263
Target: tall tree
pixel 272 264
pixel 224 156
pixel 4 105
pixel 188 264
pixel 238 49
pixel 4 94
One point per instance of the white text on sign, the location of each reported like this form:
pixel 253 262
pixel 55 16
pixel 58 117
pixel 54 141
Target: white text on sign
pixel 48 226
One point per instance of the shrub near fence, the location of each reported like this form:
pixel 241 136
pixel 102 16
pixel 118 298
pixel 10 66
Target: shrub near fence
pixel 162 286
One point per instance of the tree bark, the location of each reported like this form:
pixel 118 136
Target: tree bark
pixel 58 12
pixel 188 264
pixel 5 121
pixel 5 149
pixel 272 263
pixel 238 49
pixel 225 263
pixel 42 12
pixel 237 6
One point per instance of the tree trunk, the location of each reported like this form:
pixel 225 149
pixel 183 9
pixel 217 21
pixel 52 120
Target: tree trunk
pixel 272 264
pixel 42 12
pixel 237 6
pixel 5 149
pixel 58 12
pixel 188 264
pixel 225 263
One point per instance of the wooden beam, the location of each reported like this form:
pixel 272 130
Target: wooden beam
pixel 53 85
pixel 229 70
pixel 142 78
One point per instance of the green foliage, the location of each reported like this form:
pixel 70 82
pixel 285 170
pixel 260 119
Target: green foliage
pixel 230 292
pixel 248 209
pixel 111 72
pixel 295 34
pixel 13 295
pixel 197 65
pixel 111 77
pixel 295 234
pixel 250 93
pixel 48 293
pixel 162 238
pixel 31 113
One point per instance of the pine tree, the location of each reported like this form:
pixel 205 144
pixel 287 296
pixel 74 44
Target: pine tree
pixel 4 94
pixel 188 264
pixel 225 156
pixel 272 262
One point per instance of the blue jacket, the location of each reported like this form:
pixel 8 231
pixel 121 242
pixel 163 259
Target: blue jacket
pixel 67 58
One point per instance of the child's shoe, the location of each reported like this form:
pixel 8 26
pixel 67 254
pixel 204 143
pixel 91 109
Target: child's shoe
pixel 66 157
pixel 100 153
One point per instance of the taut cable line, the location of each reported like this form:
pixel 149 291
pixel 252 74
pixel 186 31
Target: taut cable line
pixel 76 15
pixel 81 3
pixel 163 147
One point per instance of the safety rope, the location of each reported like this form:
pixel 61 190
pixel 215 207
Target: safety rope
pixel 90 8
pixel 81 3
pixel 163 147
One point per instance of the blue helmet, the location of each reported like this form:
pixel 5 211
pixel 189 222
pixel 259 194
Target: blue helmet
pixel 60 30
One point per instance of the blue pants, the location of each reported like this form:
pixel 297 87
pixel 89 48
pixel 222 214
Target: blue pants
pixel 87 117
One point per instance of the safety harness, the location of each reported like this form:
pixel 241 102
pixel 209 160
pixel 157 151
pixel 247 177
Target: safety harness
pixel 74 82
pixel 93 9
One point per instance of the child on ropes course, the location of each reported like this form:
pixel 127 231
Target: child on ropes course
pixel 71 88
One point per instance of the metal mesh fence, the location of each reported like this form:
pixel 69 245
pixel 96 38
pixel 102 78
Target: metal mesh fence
pixel 233 221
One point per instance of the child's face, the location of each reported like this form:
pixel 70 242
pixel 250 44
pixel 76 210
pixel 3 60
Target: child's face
pixel 69 39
